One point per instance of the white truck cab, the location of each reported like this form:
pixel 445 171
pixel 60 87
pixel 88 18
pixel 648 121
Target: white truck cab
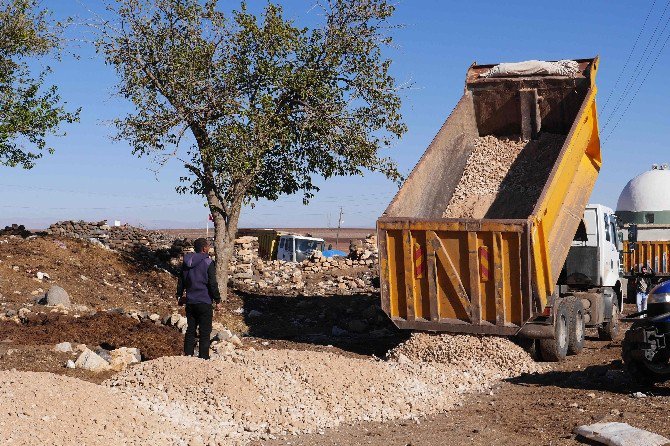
pixel 591 272
pixel 594 256
pixel 296 248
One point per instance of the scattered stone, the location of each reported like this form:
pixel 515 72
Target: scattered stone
pixel 122 357
pixel 70 364
pixel 63 347
pixel 42 276
pixel 620 434
pixel 89 360
pixel 58 296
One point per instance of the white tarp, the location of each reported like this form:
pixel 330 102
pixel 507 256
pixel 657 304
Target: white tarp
pixel 532 68
pixel 620 434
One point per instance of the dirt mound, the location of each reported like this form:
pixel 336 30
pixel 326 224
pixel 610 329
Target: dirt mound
pixel 41 408
pixel 504 177
pixel 91 275
pixel 489 355
pixel 109 329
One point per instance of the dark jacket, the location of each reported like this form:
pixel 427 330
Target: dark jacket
pixel 198 279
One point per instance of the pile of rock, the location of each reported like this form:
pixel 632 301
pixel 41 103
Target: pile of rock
pixel 15 230
pixel 121 238
pixel 364 249
pixel 245 253
pixel 476 352
pixel 316 276
pixel 100 360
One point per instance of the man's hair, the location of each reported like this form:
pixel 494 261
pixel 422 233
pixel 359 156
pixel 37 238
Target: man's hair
pixel 200 244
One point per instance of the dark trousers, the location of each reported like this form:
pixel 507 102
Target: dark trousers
pixel 198 316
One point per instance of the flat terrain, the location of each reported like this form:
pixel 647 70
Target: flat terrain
pixel 328 234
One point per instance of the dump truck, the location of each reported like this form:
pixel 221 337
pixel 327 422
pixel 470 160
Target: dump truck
pixel 499 269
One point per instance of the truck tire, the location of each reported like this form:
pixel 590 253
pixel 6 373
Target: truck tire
pixel 610 329
pixel 577 327
pixel 555 350
pixel 643 371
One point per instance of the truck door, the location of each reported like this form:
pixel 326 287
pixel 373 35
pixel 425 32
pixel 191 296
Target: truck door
pixel 290 249
pixel 609 254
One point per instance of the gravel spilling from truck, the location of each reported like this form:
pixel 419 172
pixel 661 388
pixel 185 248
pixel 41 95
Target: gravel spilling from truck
pixel 504 177
pixel 489 355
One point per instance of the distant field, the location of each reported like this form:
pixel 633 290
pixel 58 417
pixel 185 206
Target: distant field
pixel 328 234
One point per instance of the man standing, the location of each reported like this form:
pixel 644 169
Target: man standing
pixel 642 285
pixel 198 279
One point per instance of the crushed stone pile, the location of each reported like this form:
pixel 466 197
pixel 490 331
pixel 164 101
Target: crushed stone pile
pixel 43 408
pixel 256 394
pixel 504 177
pixel 491 356
pixel 251 395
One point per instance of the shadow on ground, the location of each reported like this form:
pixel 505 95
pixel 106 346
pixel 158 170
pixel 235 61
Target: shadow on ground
pixel 353 323
pixel 608 377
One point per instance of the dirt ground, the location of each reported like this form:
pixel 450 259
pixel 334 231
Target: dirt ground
pixel 92 276
pixel 540 409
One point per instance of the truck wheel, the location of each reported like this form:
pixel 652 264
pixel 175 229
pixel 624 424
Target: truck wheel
pixel 556 349
pixel 610 329
pixel 644 371
pixel 577 327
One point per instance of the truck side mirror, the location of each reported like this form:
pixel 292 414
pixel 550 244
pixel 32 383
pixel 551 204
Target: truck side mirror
pixel 632 233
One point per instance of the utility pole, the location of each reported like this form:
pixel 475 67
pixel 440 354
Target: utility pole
pixel 339 225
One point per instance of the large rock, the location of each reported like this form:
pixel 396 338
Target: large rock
pixel 58 296
pixel 122 357
pixel 63 347
pixel 90 361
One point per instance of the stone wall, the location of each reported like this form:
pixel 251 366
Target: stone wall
pixel 120 238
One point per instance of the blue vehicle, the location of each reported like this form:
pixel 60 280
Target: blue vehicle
pixel 646 347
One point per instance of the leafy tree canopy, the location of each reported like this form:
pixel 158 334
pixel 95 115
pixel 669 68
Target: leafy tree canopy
pixel 261 105
pixel 29 110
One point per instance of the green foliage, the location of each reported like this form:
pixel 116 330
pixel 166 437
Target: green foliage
pixel 29 110
pixel 261 105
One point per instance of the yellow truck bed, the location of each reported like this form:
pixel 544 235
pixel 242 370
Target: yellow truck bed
pixel 490 275
pixel 655 254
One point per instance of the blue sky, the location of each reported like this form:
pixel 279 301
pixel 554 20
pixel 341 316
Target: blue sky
pixel 92 177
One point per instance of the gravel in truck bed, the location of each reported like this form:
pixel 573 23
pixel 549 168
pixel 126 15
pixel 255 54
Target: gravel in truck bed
pixel 504 177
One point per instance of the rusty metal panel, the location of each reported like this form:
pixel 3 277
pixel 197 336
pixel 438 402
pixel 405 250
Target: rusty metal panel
pixel 409 273
pixel 453 292
pixel 498 278
pixel 474 269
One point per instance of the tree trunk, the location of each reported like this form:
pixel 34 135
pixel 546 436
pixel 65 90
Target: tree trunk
pixel 224 244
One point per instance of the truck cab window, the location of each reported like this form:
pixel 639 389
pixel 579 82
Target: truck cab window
pixel 607 228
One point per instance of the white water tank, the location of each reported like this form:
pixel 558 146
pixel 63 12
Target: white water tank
pixel 646 198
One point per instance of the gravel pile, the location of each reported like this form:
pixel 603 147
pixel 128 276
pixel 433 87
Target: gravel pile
pixel 46 409
pixel 492 357
pixel 256 394
pixel 252 395
pixel 504 177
